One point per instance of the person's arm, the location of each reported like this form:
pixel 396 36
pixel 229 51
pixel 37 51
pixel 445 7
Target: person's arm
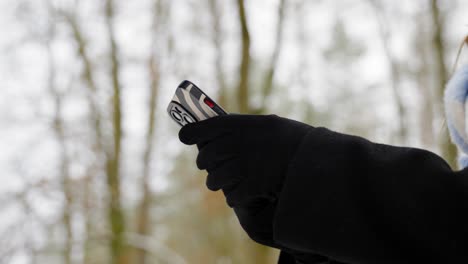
pixel 361 202
pixel 314 191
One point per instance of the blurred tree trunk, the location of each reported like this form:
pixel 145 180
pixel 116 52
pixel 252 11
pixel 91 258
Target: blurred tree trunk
pixel 217 41
pixel 267 86
pixel 395 74
pixel 115 214
pixel 144 217
pixel 59 130
pixel 448 150
pixel 304 106
pixel 97 141
pixel 260 253
pixel 214 205
pixel 425 87
pixel 243 85
pixel 65 177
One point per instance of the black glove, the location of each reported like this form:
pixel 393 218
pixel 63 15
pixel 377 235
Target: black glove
pixel 247 156
pixel 293 257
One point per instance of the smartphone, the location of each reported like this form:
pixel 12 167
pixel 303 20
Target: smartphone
pixel 190 104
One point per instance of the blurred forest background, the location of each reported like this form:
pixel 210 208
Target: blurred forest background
pixel 93 171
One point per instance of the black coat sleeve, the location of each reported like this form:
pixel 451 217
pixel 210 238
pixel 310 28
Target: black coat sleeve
pixel 355 201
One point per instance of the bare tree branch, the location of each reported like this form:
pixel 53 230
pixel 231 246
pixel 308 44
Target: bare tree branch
pixel 267 85
pixel 144 217
pixel 115 215
pixel 217 40
pixel 153 247
pixel 449 150
pixel 98 143
pixel 395 74
pixel 59 130
pixel 243 85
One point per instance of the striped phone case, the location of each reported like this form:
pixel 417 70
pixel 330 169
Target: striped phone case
pixel 190 104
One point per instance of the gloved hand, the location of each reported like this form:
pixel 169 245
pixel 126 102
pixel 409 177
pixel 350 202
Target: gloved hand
pixel 247 156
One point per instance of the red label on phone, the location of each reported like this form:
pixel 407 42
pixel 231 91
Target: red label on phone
pixel 209 103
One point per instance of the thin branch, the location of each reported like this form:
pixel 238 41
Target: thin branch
pixel 267 86
pixel 395 74
pixel 449 150
pixel 89 78
pixel 464 42
pixel 59 130
pixel 154 247
pixel 243 85
pixel 217 40
pixel 144 217
pixel 115 214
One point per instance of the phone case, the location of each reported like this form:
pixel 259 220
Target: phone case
pixel 190 104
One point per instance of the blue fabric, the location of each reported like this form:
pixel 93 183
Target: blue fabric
pixel 456 106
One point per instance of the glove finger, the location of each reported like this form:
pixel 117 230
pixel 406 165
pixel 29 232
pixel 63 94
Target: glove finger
pixel 216 152
pixel 225 175
pixel 204 130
